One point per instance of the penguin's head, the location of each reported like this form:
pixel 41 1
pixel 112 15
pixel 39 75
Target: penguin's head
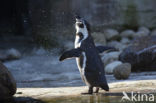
pixel 82 28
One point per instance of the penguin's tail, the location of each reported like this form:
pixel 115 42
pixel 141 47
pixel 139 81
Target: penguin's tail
pixel 105 87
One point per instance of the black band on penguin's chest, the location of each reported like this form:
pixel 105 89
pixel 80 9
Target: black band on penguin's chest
pixel 80 36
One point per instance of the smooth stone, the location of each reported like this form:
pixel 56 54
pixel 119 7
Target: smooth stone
pixel 110 67
pixel 117 45
pixel 127 33
pixel 13 54
pixel 111 34
pixel 110 57
pixel 68 45
pixel 122 71
pixel 142 31
pixel 7 83
pixel 99 37
pixel 125 41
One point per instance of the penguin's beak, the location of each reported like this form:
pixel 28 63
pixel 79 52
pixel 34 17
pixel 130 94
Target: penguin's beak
pixel 78 18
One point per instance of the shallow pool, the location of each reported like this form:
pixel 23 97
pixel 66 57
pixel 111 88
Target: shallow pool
pixel 97 98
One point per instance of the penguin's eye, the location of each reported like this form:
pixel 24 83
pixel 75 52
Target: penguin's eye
pixel 81 25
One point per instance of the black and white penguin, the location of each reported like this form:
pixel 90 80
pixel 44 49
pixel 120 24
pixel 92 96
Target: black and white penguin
pixel 87 56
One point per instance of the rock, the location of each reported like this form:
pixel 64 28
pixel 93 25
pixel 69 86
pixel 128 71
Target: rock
pixel 110 67
pixel 145 30
pixel 142 31
pixel 128 33
pixel 39 51
pixel 7 83
pixel 111 34
pixel 99 37
pixel 13 54
pixel 153 33
pixel 9 54
pixel 141 54
pixel 122 71
pixel 68 45
pixel 117 45
pixel 110 57
pixel 140 34
pixel 125 41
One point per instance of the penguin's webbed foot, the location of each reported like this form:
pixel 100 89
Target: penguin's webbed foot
pixel 90 91
pixel 97 90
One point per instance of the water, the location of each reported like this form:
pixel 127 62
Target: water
pixel 87 99
pixel 96 98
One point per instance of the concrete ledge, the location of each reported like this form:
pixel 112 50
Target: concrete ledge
pixel 142 86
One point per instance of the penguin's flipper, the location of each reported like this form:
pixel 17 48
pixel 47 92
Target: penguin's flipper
pixel 71 53
pixel 101 49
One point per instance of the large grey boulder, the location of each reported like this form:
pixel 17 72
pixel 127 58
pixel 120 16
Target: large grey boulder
pixel 127 33
pixel 13 53
pixel 99 37
pixel 68 45
pixel 110 67
pixel 122 71
pixel 142 31
pixel 117 45
pixel 141 54
pixel 7 83
pixel 10 54
pixel 125 41
pixel 111 34
pixel 110 57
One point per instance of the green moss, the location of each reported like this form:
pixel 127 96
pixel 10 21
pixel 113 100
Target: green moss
pixel 131 16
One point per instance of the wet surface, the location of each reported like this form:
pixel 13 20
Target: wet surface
pixel 87 99
pixel 95 98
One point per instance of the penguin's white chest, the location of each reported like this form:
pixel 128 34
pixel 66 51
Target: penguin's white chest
pixel 77 42
pixel 81 63
pixel 82 67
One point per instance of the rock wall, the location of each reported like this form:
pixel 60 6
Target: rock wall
pixel 105 12
pixel 137 13
pixel 54 18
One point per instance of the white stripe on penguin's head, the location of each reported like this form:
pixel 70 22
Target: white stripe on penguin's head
pixel 81 27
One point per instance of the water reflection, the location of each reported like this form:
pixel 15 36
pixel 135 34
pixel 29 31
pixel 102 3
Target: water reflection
pixel 96 98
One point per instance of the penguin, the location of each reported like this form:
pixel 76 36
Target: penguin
pixel 87 56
